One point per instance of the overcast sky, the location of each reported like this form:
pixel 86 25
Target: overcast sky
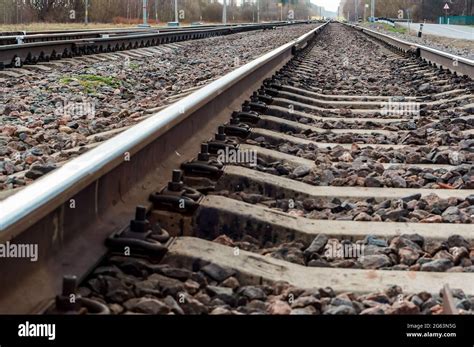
pixel 329 5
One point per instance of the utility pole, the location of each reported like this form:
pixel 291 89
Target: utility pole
pixel 156 11
pixel 86 14
pixel 258 11
pixel 224 13
pixel 357 10
pixel 176 16
pixel 372 9
pixel 128 11
pixel 145 14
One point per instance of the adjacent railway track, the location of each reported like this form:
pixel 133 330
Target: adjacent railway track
pixel 16 51
pixel 11 38
pixel 321 172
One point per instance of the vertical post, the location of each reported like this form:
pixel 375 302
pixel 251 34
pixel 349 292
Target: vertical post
pixel 86 14
pixel 145 14
pixel 409 29
pixel 156 11
pixel 224 13
pixel 357 11
pixel 176 16
pixel 281 12
pixel 372 9
pixel 258 11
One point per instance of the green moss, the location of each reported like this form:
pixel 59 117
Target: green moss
pixel 98 80
pixel 67 80
pixel 90 82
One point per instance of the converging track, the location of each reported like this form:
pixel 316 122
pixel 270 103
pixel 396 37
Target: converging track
pixel 331 179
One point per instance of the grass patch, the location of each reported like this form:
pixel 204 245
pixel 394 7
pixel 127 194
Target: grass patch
pixel 90 83
pixel 67 80
pixel 395 29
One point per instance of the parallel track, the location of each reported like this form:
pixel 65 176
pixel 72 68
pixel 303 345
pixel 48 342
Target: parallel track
pixel 10 38
pixel 274 202
pixel 46 47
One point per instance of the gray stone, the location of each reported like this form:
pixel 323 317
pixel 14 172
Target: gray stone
pixel 223 293
pixel 301 171
pixel 451 215
pixel 438 265
pixel 173 305
pixel 373 240
pixel 340 310
pixel 146 306
pixel 373 182
pixel 167 285
pixel 408 255
pixel 317 245
pixel 252 293
pixel 374 261
pixel 217 273
pixel 458 241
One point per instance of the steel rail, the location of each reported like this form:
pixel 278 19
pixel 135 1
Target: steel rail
pixel 111 179
pixel 460 65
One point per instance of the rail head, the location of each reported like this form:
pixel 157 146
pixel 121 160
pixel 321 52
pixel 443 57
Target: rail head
pixel 25 208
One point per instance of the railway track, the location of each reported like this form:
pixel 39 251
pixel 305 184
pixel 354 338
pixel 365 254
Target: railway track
pixel 11 38
pixel 331 179
pixel 16 51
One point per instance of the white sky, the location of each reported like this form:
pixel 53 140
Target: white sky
pixel 329 5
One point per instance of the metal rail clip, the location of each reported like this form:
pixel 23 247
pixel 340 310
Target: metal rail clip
pixel 221 142
pixel 140 237
pixel 254 105
pixel 261 96
pixel 176 196
pixel 204 165
pixel 71 303
pixel 236 128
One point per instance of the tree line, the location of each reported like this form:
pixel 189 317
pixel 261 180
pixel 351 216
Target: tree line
pixel 107 11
